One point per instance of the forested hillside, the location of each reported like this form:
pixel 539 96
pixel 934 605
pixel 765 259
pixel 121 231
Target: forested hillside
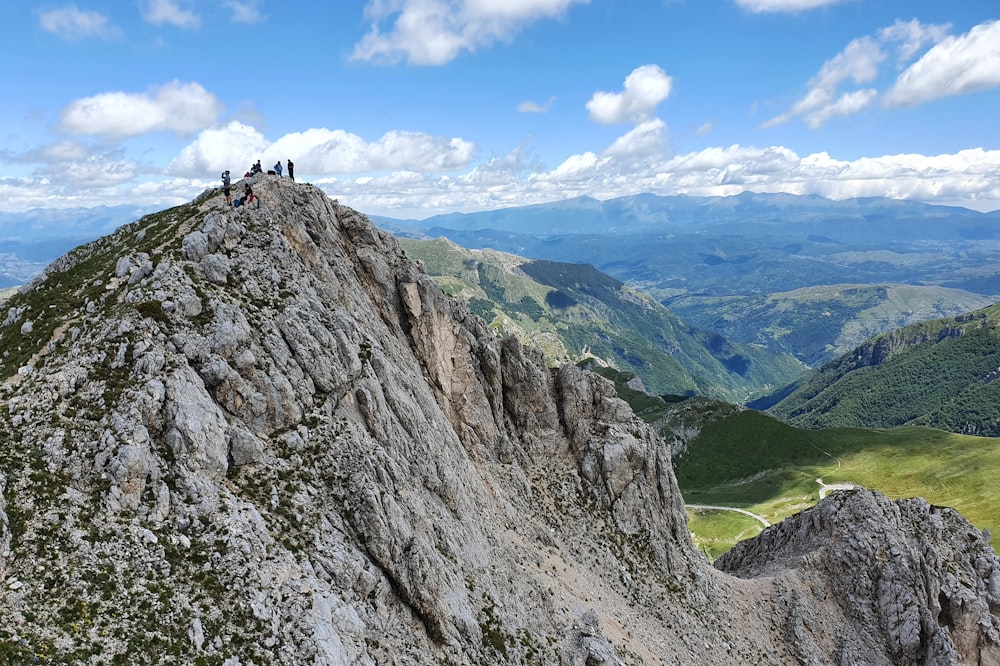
pixel 940 373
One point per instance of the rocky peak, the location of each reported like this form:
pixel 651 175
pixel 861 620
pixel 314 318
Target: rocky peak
pixel 263 435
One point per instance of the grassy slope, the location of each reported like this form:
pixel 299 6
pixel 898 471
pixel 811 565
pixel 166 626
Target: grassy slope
pixel 750 460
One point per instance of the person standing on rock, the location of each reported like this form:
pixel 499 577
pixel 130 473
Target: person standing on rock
pixel 291 169
pixel 226 183
pixel 277 168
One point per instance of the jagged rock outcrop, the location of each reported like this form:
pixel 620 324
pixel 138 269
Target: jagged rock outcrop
pixel 241 436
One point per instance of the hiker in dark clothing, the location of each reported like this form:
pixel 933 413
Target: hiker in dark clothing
pixel 291 170
pixel 249 197
pixel 226 183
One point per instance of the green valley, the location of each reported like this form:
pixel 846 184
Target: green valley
pixel 574 312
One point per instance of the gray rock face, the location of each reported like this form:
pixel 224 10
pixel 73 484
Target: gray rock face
pixel 264 436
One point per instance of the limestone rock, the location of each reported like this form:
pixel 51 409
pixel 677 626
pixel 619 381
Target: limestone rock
pixel 264 436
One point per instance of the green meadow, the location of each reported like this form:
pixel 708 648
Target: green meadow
pixel 752 461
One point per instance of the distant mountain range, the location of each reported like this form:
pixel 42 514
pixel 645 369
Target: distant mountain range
pixel 798 274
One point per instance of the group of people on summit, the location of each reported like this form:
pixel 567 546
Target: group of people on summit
pixel 248 196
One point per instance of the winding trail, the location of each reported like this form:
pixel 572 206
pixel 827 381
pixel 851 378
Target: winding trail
pixel 825 489
pixel 761 519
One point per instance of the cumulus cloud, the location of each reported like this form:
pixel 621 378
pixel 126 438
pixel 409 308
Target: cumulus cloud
pixel 646 139
pixel 235 147
pixel 434 32
pixel 73 24
pixel 182 108
pixel 968 177
pixel 325 151
pixel 321 151
pixel 859 63
pixel 954 66
pixel 169 12
pixel 632 164
pixel 94 172
pixel 791 6
pixel 644 89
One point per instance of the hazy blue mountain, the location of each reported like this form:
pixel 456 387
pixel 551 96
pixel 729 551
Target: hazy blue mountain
pixel 791 215
pixel 30 240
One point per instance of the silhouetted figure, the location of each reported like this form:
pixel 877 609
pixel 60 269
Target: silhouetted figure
pixel 291 169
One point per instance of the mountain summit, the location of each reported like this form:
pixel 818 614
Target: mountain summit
pixel 264 436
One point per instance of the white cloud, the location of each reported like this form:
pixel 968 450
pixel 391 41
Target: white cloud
pixel 792 6
pixel 323 151
pixel 859 63
pixel 969 177
pixel 646 139
pixel 845 105
pixel 235 147
pixel 320 152
pixel 913 36
pixel 182 108
pixel 954 66
pixel 244 11
pixel 535 107
pixel 644 89
pixel 434 32
pixel 96 171
pixel 169 12
pixel 61 151
pixel 75 165
pixel 72 23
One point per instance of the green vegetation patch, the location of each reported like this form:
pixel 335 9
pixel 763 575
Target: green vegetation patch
pixel 941 374
pixel 749 460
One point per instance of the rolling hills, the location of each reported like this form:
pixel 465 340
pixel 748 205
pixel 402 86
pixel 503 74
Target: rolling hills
pixel 574 311
pixel 803 275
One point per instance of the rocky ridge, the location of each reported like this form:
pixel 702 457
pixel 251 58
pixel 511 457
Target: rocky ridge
pixel 256 436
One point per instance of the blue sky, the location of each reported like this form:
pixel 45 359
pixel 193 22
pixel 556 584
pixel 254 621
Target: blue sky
pixel 408 108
